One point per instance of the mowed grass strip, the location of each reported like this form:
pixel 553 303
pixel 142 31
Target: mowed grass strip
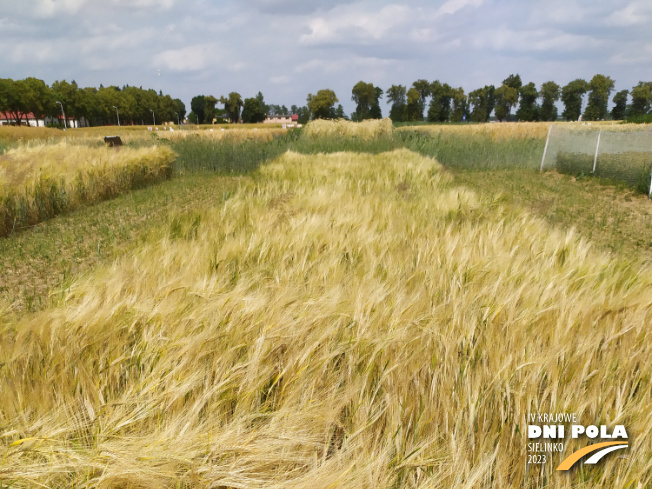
pixel 345 320
pixel 38 264
pixel 612 217
pixel 39 182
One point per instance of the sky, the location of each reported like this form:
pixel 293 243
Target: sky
pixel 289 48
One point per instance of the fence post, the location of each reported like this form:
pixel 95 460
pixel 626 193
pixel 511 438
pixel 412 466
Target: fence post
pixel 545 149
pixel 595 158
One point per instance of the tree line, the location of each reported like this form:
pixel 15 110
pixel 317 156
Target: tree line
pixel 254 109
pixel 91 106
pixel 439 102
pixel 432 101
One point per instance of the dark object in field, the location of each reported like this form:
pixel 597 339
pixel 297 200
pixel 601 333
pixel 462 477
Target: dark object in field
pixel 113 141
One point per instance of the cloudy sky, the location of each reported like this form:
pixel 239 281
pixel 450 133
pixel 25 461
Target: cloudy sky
pixel 288 48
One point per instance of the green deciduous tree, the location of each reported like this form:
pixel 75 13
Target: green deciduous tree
pixel 180 108
pixel 414 109
pixel 339 112
pixel 133 105
pixel 303 113
pixel 367 100
pixel 458 98
pixel 620 105
pixel 397 96
pixel 440 102
pixel 600 88
pixel 36 96
pixel 166 109
pixel 423 87
pixel 478 105
pixel 89 107
pixel 321 104
pixel 106 98
pixel 11 99
pixel 483 101
pixel 506 98
pixel 571 96
pixel 528 110
pixel 210 112
pixel 376 112
pixel 641 99
pixel 550 92
pixel 5 86
pixel 69 95
pixel 513 81
pixel 232 105
pixel 491 99
pixel 254 109
pixel 197 106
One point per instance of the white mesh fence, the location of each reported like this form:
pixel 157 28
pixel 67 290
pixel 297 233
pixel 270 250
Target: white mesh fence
pixel 620 153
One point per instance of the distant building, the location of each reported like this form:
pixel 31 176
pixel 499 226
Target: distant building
pixel 8 119
pixel 282 119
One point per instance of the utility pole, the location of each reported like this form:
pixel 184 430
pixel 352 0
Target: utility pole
pixel 64 115
pixel 117 115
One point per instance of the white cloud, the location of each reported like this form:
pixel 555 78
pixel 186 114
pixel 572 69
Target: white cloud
pixel 293 7
pixel 190 58
pixel 235 66
pixel 279 80
pixel 532 41
pixel 34 52
pixel 562 11
pixel 374 67
pixel 635 13
pixel 49 8
pixel 453 6
pixel 143 4
pixel 351 24
pixel 116 40
pixel 397 25
pixel 634 57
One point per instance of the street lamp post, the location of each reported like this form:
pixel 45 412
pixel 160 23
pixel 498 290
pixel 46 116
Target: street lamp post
pixel 117 115
pixel 64 115
pixel 153 116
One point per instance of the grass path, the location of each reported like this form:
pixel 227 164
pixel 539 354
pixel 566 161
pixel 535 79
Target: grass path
pixel 45 258
pixel 614 218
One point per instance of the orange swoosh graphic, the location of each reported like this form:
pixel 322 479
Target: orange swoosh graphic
pixel 574 457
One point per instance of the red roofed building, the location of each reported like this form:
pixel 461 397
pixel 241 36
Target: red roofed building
pixel 9 119
pixel 282 119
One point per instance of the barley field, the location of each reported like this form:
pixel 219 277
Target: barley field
pixel 128 134
pixel 368 129
pixel 40 180
pixel 342 320
pixel 519 130
pixel 219 134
